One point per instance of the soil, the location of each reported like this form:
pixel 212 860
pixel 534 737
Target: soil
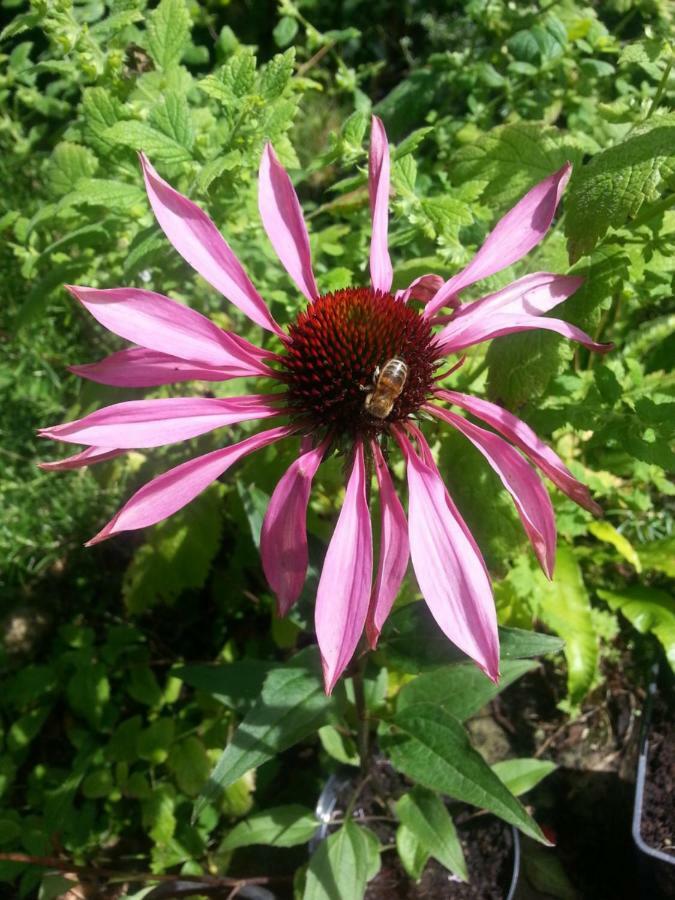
pixel 658 809
pixel 487 845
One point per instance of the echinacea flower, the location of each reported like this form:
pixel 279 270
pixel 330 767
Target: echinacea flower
pixel 357 372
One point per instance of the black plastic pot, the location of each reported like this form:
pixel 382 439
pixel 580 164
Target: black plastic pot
pixel 657 868
pixel 328 800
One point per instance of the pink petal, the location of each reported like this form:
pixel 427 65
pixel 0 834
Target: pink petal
pixel 467 331
pixel 450 572
pixel 283 539
pixel 394 550
pixel 521 229
pixel 381 273
pixel 157 323
pixel 423 289
pixel 520 434
pixel 520 480
pixel 344 587
pixel 171 491
pixel 284 223
pixel 199 242
pixel 87 457
pixel 532 295
pixel 139 367
pixel 152 423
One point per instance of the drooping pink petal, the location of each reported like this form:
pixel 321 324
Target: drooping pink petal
pixel 171 491
pixel 283 538
pixel 87 457
pixel 531 295
pixel 344 587
pixel 283 221
pixel 157 323
pixel 423 289
pixel 467 331
pixel 152 423
pixel 520 480
pixel 138 367
pixel 381 273
pixel 394 550
pixel 520 434
pixel 451 575
pixel 199 242
pixel 522 228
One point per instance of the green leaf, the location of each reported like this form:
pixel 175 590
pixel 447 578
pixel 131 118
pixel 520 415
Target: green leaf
pixel 153 743
pixel 168 33
pixel 412 854
pixel 612 187
pixel 342 865
pixel 659 555
pixel 101 110
pixel 292 706
pixel 282 826
pixel 235 685
pixel 521 366
pixel 649 610
pixel 430 746
pixel 284 31
pixel 102 192
pixel 425 814
pixel 412 640
pixel 565 607
pixel 141 136
pixel 67 164
pixel 277 74
pixel 540 44
pixel 173 118
pixel 521 775
pixel 190 765
pixel 461 689
pixel 97 784
pixel 338 745
pixel 606 532
pixel 178 554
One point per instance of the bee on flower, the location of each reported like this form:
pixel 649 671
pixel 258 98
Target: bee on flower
pixel 356 369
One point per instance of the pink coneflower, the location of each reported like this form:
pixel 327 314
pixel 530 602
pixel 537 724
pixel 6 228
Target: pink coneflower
pixel 354 370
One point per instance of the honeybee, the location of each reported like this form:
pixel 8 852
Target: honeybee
pixel 389 383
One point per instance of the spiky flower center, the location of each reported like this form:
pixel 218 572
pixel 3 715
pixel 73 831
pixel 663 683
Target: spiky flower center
pixel 336 348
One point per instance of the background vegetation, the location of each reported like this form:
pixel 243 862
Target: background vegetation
pixel 105 741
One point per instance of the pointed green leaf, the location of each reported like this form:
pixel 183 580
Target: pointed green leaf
pixel 425 814
pixel 431 747
pixel 412 854
pixel 521 775
pixel 342 865
pixel 168 33
pixel 649 610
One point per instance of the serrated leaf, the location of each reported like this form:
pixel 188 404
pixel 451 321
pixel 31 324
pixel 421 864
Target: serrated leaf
pixel 173 118
pixel 67 164
pixel 141 136
pixel 168 33
pixel 102 192
pixel 430 746
pixel 424 813
pixel 238 74
pixel 343 864
pixel 612 187
pixel 101 110
pixel 282 826
pixel 521 775
pixel 291 706
pixel 461 689
pixel 649 610
pixel 277 74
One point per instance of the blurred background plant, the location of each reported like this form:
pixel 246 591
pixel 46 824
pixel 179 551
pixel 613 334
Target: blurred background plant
pixel 102 745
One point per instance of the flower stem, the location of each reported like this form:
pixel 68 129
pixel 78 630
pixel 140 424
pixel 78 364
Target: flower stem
pixel 362 722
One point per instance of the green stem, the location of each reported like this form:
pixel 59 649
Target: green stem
pixel 661 88
pixel 362 722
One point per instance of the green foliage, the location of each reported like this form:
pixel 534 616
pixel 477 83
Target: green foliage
pixel 423 813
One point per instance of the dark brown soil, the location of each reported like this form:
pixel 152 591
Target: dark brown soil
pixel 488 848
pixel 658 809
